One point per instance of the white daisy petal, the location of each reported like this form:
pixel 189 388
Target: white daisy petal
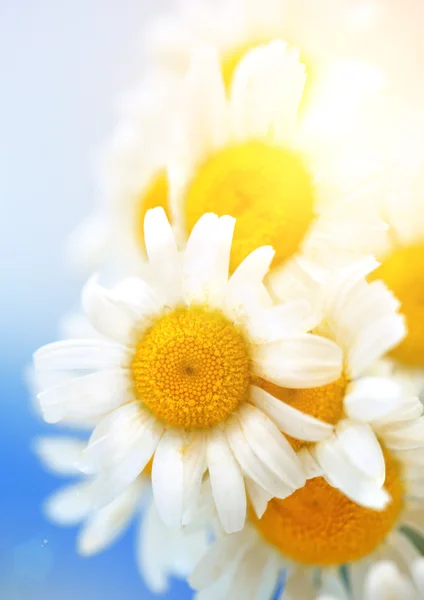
pixel 227 482
pixel 122 451
pixel 60 454
pixel 281 321
pixel 309 465
pixel 372 398
pixel 245 290
pixel 137 296
pixel 105 525
pixel 251 465
pixel 150 556
pixel 405 437
pixel 71 504
pixel 385 582
pixel 363 449
pixel 108 316
pixel 215 562
pixel 82 354
pixel 343 475
pixel 194 459
pixel 289 419
pixel 168 478
pixel 375 341
pixel 257 496
pixel 261 103
pixel 162 251
pixel 303 361
pixel 270 445
pixel 86 396
pixel 226 226
pixel 200 260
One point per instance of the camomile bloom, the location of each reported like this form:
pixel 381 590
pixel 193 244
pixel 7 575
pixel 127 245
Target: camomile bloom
pixel 402 257
pixel 180 367
pixel 160 552
pixel 384 581
pixel 245 153
pixel 318 532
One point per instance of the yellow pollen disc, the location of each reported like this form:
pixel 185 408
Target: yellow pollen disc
pixel 191 368
pixel 318 525
pixel 403 273
pixel 266 188
pixel 155 195
pixel 324 402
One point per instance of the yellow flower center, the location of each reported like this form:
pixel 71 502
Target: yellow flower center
pixel 155 195
pixel 403 273
pixel 318 525
pixel 191 368
pixel 266 188
pixel 324 402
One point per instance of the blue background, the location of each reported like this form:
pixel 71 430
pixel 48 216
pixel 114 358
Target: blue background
pixel 61 65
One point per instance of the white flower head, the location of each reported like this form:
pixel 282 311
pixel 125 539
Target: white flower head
pixel 178 374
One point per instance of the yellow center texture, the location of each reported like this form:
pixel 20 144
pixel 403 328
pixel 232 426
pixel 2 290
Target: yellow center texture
pixel 324 402
pixel 319 526
pixel 403 273
pixel 191 368
pixel 267 189
pixel 156 194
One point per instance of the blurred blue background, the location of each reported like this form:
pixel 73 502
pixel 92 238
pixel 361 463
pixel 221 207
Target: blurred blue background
pixel 61 65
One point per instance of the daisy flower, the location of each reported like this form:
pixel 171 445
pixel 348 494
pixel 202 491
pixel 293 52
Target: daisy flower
pixel 176 371
pixel 245 153
pixel 160 551
pixel 318 530
pixel 384 581
pixel 240 151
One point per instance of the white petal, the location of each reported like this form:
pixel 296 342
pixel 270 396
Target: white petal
pixel 309 465
pixel 194 468
pixel 204 103
pixel 227 482
pixel 372 398
pixel 86 396
pixel 108 316
pixel 60 454
pixel 251 465
pixel 376 341
pixel 200 260
pixel 303 361
pixel 385 582
pixel 257 496
pixel 82 354
pixel 217 559
pixel 105 525
pixel 363 449
pixel 137 296
pixel 162 251
pixel 270 445
pixel 292 421
pixel 150 557
pixel 417 571
pixel 168 478
pixel 405 437
pixel 265 94
pixel 281 321
pixel 71 504
pixel 226 231
pixel 122 452
pixel 343 475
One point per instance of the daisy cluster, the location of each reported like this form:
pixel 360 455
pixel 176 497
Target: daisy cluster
pixel 250 352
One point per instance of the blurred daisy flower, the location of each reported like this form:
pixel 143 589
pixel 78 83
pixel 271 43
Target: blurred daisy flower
pixel 184 352
pixel 160 552
pixel 292 182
